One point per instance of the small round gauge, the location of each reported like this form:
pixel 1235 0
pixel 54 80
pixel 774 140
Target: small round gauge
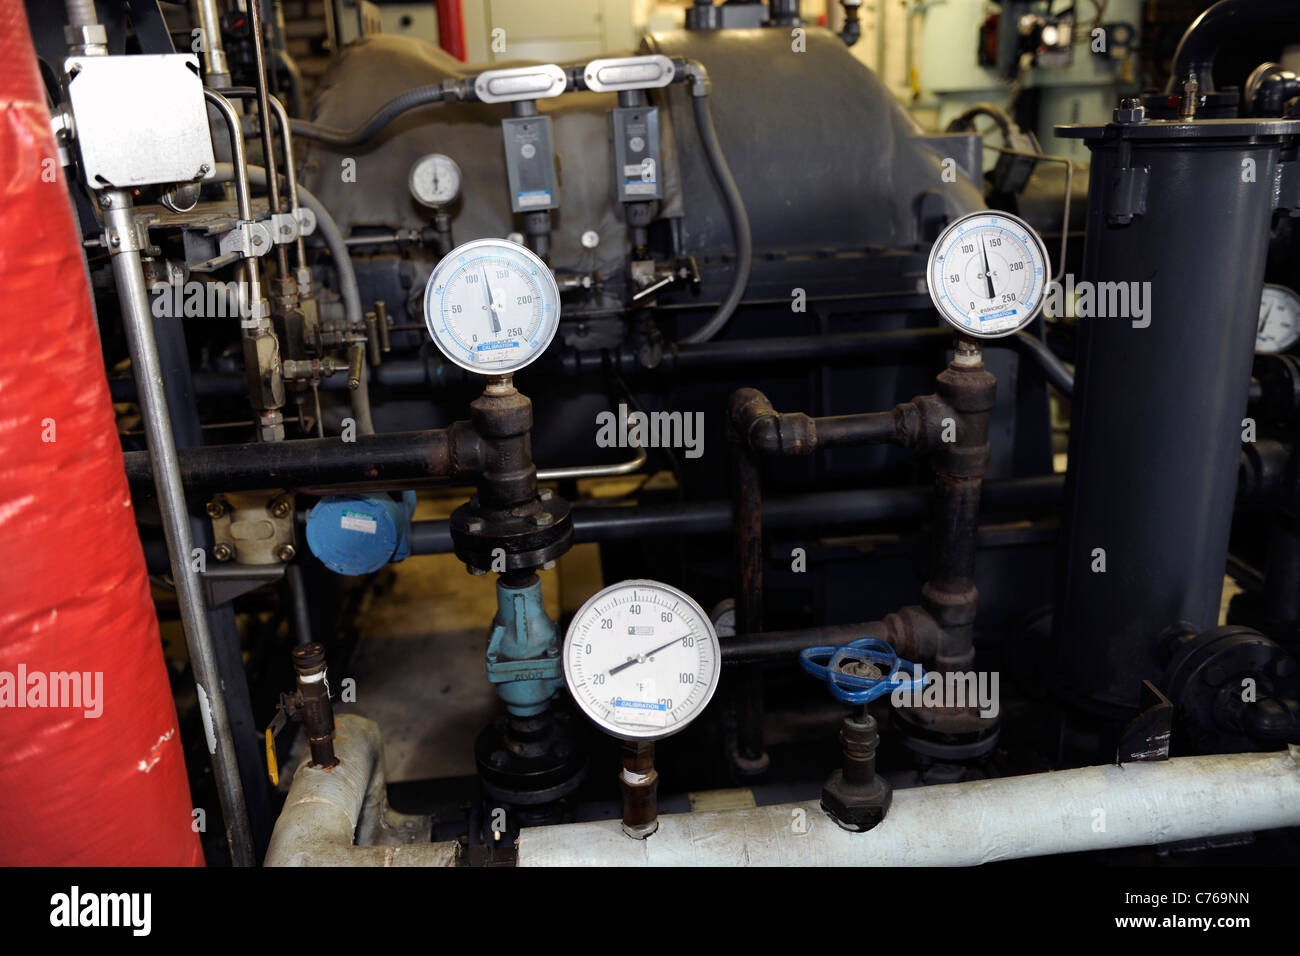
pixel 435 179
pixel 987 274
pixel 1279 320
pixel 641 659
pixel 491 306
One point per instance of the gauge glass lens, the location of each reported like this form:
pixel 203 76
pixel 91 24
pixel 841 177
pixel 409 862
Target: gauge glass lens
pixel 491 306
pixel 987 274
pixel 641 659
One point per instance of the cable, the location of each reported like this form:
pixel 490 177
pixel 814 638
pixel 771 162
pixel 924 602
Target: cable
pixel 411 99
pixel 735 212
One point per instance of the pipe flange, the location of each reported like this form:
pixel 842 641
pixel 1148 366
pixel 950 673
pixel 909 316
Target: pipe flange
pixel 515 541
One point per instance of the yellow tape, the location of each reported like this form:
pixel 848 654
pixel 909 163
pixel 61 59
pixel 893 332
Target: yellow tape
pixel 271 765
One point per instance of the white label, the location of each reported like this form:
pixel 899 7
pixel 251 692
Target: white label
pixel 647 712
pixel 355 522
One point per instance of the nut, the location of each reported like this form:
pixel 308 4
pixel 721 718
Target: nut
pixel 856 807
pixel 279 508
pixel 215 508
pixel 223 552
pixel 543 519
pixel 285 552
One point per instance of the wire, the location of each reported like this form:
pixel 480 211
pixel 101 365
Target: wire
pixel 739 224
pixel 412 99
pixel 1069 185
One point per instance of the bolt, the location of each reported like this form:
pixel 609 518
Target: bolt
pixel 474 525
pixel 279 508
pixel 548 566
pixel 215 508
pixel 114 240
pixel 285 552
pixel 552 651
pixel 545 494
pixel 204 169
pixel 474 571
pixel 492 657
pixel 106 201
pixel 543 519
pixel 223 552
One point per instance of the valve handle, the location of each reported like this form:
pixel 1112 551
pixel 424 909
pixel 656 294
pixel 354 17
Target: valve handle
pixel 824 664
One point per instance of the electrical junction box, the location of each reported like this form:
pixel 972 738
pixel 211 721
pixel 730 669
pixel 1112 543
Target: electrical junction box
pixel 636 153
pixel 530 164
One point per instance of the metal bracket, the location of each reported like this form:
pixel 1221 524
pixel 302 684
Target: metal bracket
pixel 306 221
pixel 225 582
pixel 284 227
pixel 246 240
pixel 1128 194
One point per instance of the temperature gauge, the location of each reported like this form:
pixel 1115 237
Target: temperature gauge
pixel 988 274
pixel 435 180
pixel 491 306
pixel 641 659
pixel 1279 320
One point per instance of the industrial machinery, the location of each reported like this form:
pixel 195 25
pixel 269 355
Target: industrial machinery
pixel 673 456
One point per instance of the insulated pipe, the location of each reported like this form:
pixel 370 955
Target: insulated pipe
pixel 326 807
pixel 103 784
pixel 962 824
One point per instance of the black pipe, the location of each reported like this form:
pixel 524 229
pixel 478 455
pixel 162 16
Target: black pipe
pixel 394 457
pixel 1200 44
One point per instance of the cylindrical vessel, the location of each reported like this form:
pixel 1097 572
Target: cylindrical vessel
pixel 1178 229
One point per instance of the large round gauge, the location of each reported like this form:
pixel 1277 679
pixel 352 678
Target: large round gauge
pixel 641 659
pixel 435 179
pixel 491 306
pixel 1279 320
pixel 988 274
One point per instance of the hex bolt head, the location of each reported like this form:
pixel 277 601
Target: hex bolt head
pixel 543 519
pixel 223 552
pixel 474 525
pixel 548 566
pixel 215 508
pixel 279 508
pixel 285 552
pixel 545 494
pixel 492 657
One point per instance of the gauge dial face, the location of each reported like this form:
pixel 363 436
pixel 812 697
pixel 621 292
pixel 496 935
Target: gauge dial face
pixel 491 306
pixel 641 659
pixel 435 179
pixel 1279 320
pixel 988 274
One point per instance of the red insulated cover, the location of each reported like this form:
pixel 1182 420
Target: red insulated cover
pixel 81 790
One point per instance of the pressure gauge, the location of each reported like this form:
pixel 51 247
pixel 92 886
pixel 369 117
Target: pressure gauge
pixel 435 180
pixel 641 659
pixel 988 274
pixel 491 306
pixel 1279 320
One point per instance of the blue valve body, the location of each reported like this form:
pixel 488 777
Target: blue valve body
pixel 357 534
pixel 823 663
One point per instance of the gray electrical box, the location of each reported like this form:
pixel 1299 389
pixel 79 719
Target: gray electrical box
pixel 530 164
pixel 636 153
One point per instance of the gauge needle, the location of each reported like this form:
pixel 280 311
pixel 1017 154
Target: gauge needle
pixel 1263 319
pixel 987 277
pixel 492 309
pixel 640 658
